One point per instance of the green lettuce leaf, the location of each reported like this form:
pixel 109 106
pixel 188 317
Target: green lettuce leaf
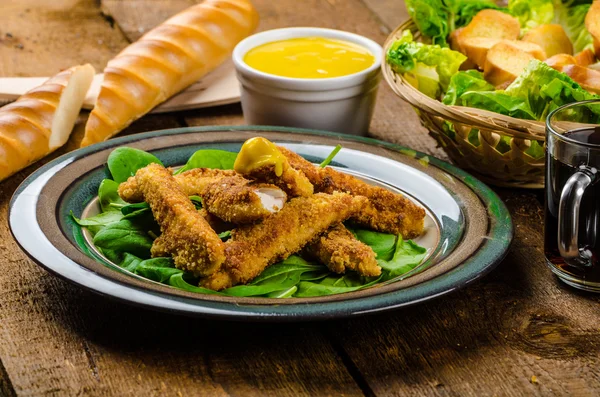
pixel 436 19
pixel 531 13
pixel 544 89
pixel 461 82
pixel 536 92
pixel 427 67
pixel 571 15
pixel 499 102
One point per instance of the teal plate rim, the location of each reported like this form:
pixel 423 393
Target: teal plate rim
pixel 490 252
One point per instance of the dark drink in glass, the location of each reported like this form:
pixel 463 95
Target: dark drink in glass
pixel 572 210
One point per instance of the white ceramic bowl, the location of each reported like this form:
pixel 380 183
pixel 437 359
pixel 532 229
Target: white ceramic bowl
pixel 343 104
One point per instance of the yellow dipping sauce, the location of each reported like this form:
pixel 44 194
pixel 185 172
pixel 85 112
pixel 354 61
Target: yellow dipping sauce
pixel 256 153
pixel 310 58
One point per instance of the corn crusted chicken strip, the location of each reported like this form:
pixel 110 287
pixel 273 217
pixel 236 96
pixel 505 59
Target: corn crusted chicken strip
pixel 217 224
pixel 385 212
pixel 340 251
pixel 225 194
pixel 186 235
pixel 193 182
pixel 252 248
pixel 259 159
pixel 234 199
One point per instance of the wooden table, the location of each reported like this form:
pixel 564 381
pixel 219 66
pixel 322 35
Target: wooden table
pixel 517 332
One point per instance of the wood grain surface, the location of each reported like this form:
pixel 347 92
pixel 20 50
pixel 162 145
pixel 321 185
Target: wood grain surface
pixel 517 332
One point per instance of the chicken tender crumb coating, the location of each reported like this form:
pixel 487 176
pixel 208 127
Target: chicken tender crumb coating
pixel 252 248
pixel 193 182
pixel 386 211
pixel 340 251
pixel 291 181
pixel 186 235
pixel 235 200
pixel 261 160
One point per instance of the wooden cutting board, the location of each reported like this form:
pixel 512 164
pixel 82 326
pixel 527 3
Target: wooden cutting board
pixel 219 87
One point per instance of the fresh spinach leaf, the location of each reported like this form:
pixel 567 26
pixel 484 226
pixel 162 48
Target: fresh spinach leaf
pixel 292 264
pixel 286 293
pixel 276 283
pixel 130 262
pixel 178 281
pixel 108 196
pixel 209 158
pixel 135 207
pixel 307 289
pixel 407 256
pixel 124 236
pixel 382 243
pixel 102 219
pixel 157 269
pixel 123 162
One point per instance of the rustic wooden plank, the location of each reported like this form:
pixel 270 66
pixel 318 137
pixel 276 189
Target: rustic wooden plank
pixel 40 38
pixel 390 12
pixel 132 19
pixel 56 339
pixel 490 338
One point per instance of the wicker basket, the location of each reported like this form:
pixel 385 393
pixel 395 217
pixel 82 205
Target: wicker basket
pixel 490 145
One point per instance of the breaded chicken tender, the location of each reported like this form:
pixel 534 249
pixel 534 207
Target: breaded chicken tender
pixel 225 194
pixel 339 250
pixel 186 235
pixel 386 211
pixel 193 182
pixel 252 248
pixel 234 199
pixel 260 160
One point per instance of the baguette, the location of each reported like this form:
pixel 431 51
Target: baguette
pixel 166 60
pixel 41 120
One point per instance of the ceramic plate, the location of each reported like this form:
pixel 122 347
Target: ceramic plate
pixel 468 228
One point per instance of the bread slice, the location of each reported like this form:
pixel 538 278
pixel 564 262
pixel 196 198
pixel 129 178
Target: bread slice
pixel 505 62
pixel 453 41
pixel 585 57
pixel 559 61
pixel 531 48
pixel 491 24
pixel 592 24
pixel 41 121
pixel 551 38
pixel 587 78
pixel 476 49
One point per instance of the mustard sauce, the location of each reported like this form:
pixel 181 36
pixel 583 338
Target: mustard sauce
pixel 310 58
pixel 258 152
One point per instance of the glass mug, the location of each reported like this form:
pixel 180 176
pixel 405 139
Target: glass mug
pixel 572 210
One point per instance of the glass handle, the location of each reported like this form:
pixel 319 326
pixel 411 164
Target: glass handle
pixel 568 218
